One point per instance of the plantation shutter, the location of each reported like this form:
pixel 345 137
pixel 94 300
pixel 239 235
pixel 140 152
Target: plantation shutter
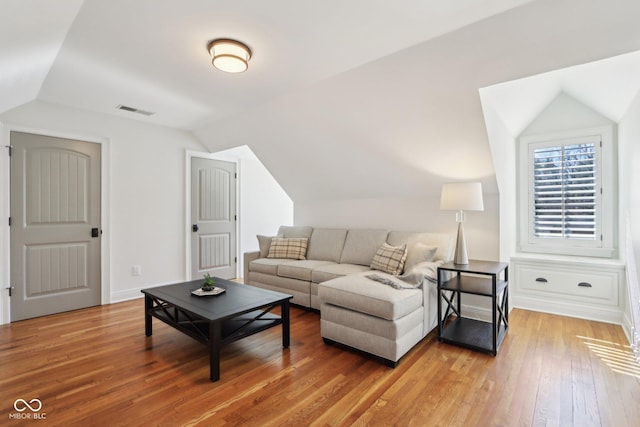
pixel 566 190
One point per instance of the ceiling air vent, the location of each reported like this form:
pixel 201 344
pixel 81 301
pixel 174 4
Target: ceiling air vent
pixel 135 110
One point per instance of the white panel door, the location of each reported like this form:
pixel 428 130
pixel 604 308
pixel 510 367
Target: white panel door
pixel 213 218
pixel 55 225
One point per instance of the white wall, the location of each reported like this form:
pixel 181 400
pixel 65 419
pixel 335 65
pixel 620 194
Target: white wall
pixel 145 216
pixel 565 113
pixel 629 177
pixel 265 205
pixel 628 184
pixel 424 214
pixel 503 152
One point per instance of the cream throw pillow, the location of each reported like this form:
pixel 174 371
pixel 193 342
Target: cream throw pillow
pixel 418 253
pixel 390 259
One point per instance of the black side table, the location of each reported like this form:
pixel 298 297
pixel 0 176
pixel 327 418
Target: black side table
pixel 484 278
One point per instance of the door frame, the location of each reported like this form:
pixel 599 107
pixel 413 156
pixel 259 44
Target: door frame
pixel 5 189
pixel 187 205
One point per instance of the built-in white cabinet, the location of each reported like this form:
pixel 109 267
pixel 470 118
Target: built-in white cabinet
pixel 589 289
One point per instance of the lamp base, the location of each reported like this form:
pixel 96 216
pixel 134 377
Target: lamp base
pixel 460 256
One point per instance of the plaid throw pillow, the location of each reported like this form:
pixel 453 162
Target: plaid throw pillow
pixel 390 259
pixel 293 248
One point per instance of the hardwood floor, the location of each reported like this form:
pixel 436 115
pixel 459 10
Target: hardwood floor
pixel 96 367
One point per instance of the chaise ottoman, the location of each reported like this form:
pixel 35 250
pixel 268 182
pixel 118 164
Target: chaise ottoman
pixel 371 316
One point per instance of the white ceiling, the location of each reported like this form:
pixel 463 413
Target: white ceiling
pixel 152 54
pixel 342 99
pixel 31 34
pixel 608 86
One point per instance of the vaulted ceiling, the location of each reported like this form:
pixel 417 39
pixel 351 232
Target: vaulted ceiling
pixel 342 99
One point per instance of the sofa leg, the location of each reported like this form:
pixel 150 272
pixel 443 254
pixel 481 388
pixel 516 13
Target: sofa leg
pixel 327 341
pixel 390 363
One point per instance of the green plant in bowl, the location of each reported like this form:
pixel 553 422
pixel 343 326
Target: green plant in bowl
pixel 209 283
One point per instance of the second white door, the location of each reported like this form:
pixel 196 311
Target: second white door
pixel 213 218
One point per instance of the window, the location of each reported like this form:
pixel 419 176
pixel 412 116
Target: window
pixel 567 194
pixel 565 190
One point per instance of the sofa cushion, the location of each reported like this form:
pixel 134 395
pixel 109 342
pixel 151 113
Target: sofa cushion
pixel 293 248
pixel 361 245
pixel 298 288
pixel 266 265
pixel 328 272
pixel 264 243
pixel 441 241
pixel 390 259
pixel 300 270
pixel 373 325
pixel 356 292
pixel 326 244
pixel 389 340
pixel 290 231
pixel 419 253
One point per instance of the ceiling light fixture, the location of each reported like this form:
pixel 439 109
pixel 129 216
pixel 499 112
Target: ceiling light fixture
pixel 229 55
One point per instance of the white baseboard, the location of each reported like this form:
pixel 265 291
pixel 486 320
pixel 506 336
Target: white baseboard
pixel 599 314
pixel 129 294
pixel 627 327
pixel 477 313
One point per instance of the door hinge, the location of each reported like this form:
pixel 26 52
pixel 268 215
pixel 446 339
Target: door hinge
pixel 9 221
pixel 11 288
pixel 235 217
pixel 9 147
pixel 235 259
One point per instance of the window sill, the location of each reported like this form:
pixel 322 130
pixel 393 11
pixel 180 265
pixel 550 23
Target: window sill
pixel 570 252
pixel 563 258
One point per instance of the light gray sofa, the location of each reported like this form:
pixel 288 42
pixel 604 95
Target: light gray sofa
pixel 355 310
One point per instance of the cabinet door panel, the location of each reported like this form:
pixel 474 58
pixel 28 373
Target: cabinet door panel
pixel 567 283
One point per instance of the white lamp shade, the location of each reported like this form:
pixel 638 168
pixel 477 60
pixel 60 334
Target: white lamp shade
pixel 462 196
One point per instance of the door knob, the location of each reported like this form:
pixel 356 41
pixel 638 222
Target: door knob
pixel 195 228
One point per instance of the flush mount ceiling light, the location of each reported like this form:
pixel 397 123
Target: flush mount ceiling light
pixel 229 55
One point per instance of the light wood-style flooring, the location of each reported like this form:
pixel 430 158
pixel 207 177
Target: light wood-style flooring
pixel 95 367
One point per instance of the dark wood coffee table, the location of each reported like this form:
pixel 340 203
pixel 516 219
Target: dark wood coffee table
pixel 216 320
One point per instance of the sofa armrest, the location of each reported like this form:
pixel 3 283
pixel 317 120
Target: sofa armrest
pixel 248 257
pixel 426 274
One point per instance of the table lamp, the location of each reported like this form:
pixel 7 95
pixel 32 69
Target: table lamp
pixel 461 196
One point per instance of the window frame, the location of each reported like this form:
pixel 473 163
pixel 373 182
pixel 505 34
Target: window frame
pixel 606 201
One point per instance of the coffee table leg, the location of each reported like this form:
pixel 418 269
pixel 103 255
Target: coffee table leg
pixel 215 342
pixel 148 305
pixel 285 324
